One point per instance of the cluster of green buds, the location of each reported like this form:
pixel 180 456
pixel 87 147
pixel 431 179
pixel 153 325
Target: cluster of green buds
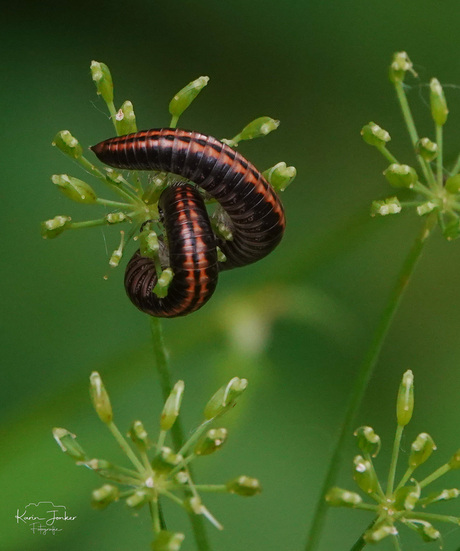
pixel 137 195
pixel 435 188
pixel 405 502
pixel 157 471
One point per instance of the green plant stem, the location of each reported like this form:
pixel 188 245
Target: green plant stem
pixel 439 170
pixel 432 517
pixel 363 376
pixel 211 488
pixel 162 365
pixel 125 446
pixel 394 460
pixel 155 514
pixel 109 203
pixel 434 476
pixel 396 543
pixel 407 114
pixel 456 168
pixel 360 543
pixel 388 155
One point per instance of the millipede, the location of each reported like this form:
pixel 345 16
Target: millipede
pixel 255 214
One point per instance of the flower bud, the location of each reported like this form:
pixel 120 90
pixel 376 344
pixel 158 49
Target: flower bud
pixel 378 533
pixel 108 470
pixel 182 100
pixel 126 119
pixel 115 217
pixel 406 498
pixel 444 495
pixel 166 460
pixel 426 208
pixel 280 175
pixel 399 67
pixel 427 149
pixel 100 398
pixel 104 496
pixel 426 530
pixel 68 144
pixel 103 80
pixel 453 184
pixel 400 175
pixel 168 541
pixel 336 497
pixel 148 243
pixel 390 205
pixel 137 499
pixel 139 436
pixel 68 444
pixel 172 406
pixel 367 440
pixel 115 258
pixel 421 449
pixel 55 226
pixel 454 461
pixel 405 400
pixel 364 475
pixel 374 135
pixel 74 189
pixel 225 397
pixel 163 283
pixel 213 440
pixel 244 486
pixel 258 128
pixel 438 103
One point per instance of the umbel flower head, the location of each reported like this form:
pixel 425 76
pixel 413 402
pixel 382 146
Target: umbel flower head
pixel 158 471
pixel 404 503
pixel 137 194
pixel 431 188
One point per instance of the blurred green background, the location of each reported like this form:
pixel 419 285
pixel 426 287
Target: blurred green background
pixel 321 68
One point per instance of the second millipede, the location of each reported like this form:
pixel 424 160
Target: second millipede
pixel 255 213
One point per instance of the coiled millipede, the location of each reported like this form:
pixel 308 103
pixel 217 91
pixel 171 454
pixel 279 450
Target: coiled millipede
pixel 255 214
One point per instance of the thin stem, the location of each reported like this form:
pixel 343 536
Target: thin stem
pixel 211 488
pixel 394 459
pixel 432 517
pixel 407 114
pixel 155 514
pixel 456 169
pixel 125 446
pixel 389 156
pixel 396 543
pixel 434 476
pixel 439 171
pixel 174 121
pixel 360 543
pixel 363 376
pixel 195 436
pixel 406 477
pixel 109 203
pixel 380 495
pixel 162 365
pixel 89 223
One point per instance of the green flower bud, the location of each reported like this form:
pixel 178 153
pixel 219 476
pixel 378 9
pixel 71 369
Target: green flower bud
pixel 126 119
pixel 427 149
pixel 105 469
pixel 280 175
pixel 225 397
pixel 195 505
pixel 55 226
pixel 426 208
pixel 406 498
pixel 68 144
pixel 244 486
pixel 220 255
pixel 383 207
pixel 163 283
pixel 213 440
pixel 421 449
pixel 103 80
pixel 367 440
pixel 454 461
pixel 258 128
pixel 400 65
pixel 400 175
pixel 114 176
pixel 115 258
pixel 149 244
pixel 74 189
pixel 166 460
pixel 336 497
pixel 438 103
pixel 426 530
pixel 104 496
pixel 378 533
pixel 374 135
pixel 182 100
pixel 405 400
pixel 137 499
pixel 444 495
pixel 116 217
pixel 364 475
pixel 168 541
pixel 139 436
pixel 172 406
pixel 453 184
pixel 100 398
pixel 68 444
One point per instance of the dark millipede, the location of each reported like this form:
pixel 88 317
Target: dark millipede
pixel 192 257
pixel 255 213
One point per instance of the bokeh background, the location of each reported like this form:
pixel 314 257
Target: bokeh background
pixel 296 325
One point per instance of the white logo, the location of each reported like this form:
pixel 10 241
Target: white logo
pixel 43 517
